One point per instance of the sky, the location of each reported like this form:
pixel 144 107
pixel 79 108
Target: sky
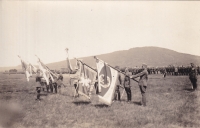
pixel 88 28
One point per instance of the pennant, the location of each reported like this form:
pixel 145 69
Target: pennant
pixel 107 80
pixel 69 67
pixel 25 68
pixel 45 73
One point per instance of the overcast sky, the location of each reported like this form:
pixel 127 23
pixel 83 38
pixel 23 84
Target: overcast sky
pixel 91 28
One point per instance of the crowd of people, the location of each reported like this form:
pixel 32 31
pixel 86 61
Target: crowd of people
pixel 143 72
pixel 52 87
pixel 124 77
pixel 169 70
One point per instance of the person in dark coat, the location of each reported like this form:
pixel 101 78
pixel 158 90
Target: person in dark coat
pixel 142 82
pixel 193 76
pixel 127 85
pixel 59 82
pixel 119 83
pixel 38 83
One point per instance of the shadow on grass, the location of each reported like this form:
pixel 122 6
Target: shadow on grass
pixel 188 89
pixel 137 103
pixel 81 102
pixel 101 106
pixel 43 94
pixel 22 91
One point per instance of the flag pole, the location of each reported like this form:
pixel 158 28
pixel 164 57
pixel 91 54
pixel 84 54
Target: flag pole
pixel 68 58
pixel 89 67
pixel 117 70
pixel 85 64
pixel 48 69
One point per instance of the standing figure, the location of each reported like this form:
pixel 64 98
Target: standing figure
pixel 193 76
pixel 164 72
pixel 142 83
pixel 96 85
pixel 119 83
pixel 76 80
pixel 38 83
pixel 60 82
pixel 127 85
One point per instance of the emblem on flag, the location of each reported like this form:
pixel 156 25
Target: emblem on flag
pixel 107 79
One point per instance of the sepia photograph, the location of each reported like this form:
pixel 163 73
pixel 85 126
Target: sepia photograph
pixel 99 64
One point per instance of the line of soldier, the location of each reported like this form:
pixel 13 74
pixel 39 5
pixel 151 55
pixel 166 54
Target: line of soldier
pixel 169 70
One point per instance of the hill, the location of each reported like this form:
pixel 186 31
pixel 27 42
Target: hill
pixel 152 56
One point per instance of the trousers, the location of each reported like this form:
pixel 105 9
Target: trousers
pixel 117 94
pixel 194 82
pixel 128 92
pixel 143 92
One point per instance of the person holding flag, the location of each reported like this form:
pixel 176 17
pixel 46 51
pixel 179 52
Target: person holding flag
pixel 127 85
pixel 59 82
pixel 142 83
pixel 38 83
pixel 76 79
pixel 119 83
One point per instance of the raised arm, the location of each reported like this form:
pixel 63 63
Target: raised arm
pixel 138 75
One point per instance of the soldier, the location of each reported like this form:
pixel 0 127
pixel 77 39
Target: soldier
pixel 127 85
pixel 193 76
pixel 119 83
pixel 96 85
pixel 164 72
pixel 198 70
pixel 59 82
pixel 142 83
pixel 76 78
pixel 38 83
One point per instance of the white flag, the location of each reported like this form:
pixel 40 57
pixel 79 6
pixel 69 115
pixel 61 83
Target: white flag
pixel 107 79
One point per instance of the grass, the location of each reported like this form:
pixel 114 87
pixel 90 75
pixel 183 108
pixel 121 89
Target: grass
pixel 170 104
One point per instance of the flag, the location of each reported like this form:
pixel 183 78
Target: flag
pixel 33 68
pixel 69 67
pixel 45 73
pixel 87 78
pixel 25 68
pixel 107 80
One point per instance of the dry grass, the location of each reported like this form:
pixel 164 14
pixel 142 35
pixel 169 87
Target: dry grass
pixel 170 105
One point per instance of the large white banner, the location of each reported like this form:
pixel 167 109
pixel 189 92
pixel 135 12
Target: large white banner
pixel 107 78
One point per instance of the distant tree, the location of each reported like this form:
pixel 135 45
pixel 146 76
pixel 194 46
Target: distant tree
pixel 13 70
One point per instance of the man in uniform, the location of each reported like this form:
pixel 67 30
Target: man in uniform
pixel 119 83
pixel 142 82
pixel 59 82
pixel 38 83
pixel 127 85
pixel 76 78
pixel 193 76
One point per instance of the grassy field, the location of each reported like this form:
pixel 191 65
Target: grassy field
pixel 170 104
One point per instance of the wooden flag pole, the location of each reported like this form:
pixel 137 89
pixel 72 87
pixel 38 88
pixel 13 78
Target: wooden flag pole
pixel 70 71
pixel 85 64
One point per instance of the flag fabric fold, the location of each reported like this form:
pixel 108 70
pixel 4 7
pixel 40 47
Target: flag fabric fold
pixel 87 78
pixel 107 80
pixel 69 67
pixel 46 72
pixel 26 69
